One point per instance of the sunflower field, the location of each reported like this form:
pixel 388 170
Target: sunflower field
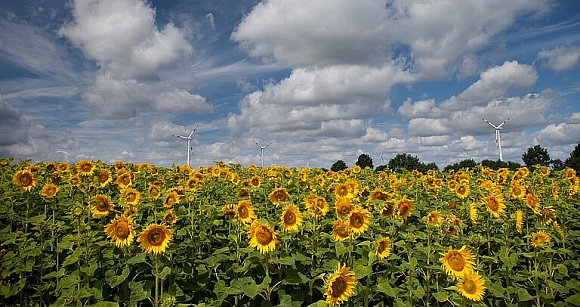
pixel 93 234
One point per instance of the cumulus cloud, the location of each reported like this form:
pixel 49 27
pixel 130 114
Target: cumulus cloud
pixel 123 39
pixel 560 58
pixel 13 127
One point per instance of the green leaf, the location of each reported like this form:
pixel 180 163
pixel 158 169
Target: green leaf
pixel 285 261
pixel 221 250
pixel 574 300
pixel 441 296
pixel 163 274
pixel 72 258
pixel 554 285
pixel 361 270
pixel 137 291
pixel 523 295
pixel 340 249
pixel 318 304
pixel 105 304
pixel 114 281
pixel 562 269
pixel 220 290
pixel 384 287
pixel 36 219
pixel 496 289
pixel 291 277
pixel 139 258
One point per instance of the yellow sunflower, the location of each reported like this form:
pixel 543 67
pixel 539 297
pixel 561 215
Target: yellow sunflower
pixel 24 179
pixel 518 191
pixel 340 286
pixel 340 231
pixel 488 185
pixel 457 263
pixel 262 237
pixel 405 207
pixel 533 203
pixel 102 205
pixel 341 191
pixel 558 229
pixel 49 190
pixel 85 168
pixel 279 196
pixel 243 192
pixel 343 208
pixel 383 249
pixel 155 238
pixel 245 212
pixel 120 230
pixel 154 191
pixel 473 213
pixel 494 204
pixel 75 181
pixel 171 199
pixel 358 220
pixel 388 210
pixel 462 190
pixel 131 196
pixel 62 167
pixel 451 185
pixel 169 217
pixel 356 169
pixel 229 211
pixel 540 239
pixel 320 207
pixel 291 218
pixel 519 220
pixel 124 180
pixel 255 181
pixel 103 177
pixel 434 218
pixel 471 286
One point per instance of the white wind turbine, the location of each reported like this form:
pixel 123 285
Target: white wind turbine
pixel 262 151
pixel 188 138
pixel 497 135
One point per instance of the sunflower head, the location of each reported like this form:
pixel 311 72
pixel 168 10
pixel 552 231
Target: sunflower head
pixel 291 218
pixel 540 239
pixel 102 205
pixel 24 179
pixel 471 286
pixel 519 220
pixel 262 237
pixel 121 231
pixel 358 220
pixel 103 177
pixel 434 218
pixel 155 239
pixel 405 207
pixel 85 167
pixel 171 199
pixel 340 230
pixel 343 207
pixel 518 191
pixel 383 249
pixel 462 190
pixel 169 217
pixel 279 196
pixel 245 212
pixel 124 180
pixel 154 191
pixel 49 190
pixel 255 181
pixel 131 196
pixel 494 204
pixel 473 213
pixel 340 286
pixel 457 263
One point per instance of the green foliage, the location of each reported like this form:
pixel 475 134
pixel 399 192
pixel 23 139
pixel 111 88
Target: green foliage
pixel 467 163
pixel 338 166
pixel 536 155
pixel 364 160
pixel 574 160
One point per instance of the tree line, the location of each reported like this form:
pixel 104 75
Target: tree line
pixel 536 155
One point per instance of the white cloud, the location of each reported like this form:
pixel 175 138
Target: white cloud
pixel 560 58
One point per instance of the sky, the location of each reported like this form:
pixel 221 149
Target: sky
pixel 317 80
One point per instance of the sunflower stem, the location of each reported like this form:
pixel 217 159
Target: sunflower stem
pixel 156 302
pixel 536 282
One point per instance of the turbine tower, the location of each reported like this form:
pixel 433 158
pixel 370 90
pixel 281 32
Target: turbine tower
pixel 262 151
pixel 188 138
pixel 497 135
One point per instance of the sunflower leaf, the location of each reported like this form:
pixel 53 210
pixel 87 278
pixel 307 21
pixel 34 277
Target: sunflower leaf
pixel 441 296
pixel 523 295
pixel 384 287
pixel 139 258
pixel 117 280
pixel 574 300
pixel 340 249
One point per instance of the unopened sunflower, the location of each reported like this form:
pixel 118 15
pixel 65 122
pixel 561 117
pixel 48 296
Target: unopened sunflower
pixel 121 231
pixel 262 237
pixel 340 286
pixel 291 218
pixel 155 239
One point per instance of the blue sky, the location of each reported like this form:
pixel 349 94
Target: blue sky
pixel 321 80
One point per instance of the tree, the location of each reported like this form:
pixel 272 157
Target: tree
pixel 338 166
pixel 404 161
pixel 381 168
pixel 462 164
pixel 364 160
pixel 558 165
pixel 574 160
pixel 536 155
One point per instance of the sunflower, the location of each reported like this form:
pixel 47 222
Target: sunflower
pixel 320 207
pixel 452 185
pixel 488 185
pixel 356 169
pixel 245 212
pixel 519 220
pixel 103 177
pixel 131 196
pixel 155 238
pixel 340 286
pixel 171 199
pixel 548 215
pixel 457 263
pixel 383 249
pixel 255 181
pixel 518 191
pixel 120 230
pixel 434 218
pixel 387 210
pixel 494 204
pixel 229 211
pixel 154 191
pixel 262 237
pixel 24 179
pixel 49 190
pixel 405 207
pixel 75 181
pixel 471 286
pixel 343 208
pixel 533 203
pixel 540 239
pixel 279 196
pixel 101 205
pixel 462 190
pixel 358 220
pixel 341 191
pixel 473 213
pixel 85 168
pixel 169 217
pixel 62 167
pixel 340 230
pixel 291 218
pixel 124 180
pixel 558 229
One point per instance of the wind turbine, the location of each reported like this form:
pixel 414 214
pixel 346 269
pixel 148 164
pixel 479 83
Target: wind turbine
pixel 262 151
pixel 497 135
pixel 188 138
